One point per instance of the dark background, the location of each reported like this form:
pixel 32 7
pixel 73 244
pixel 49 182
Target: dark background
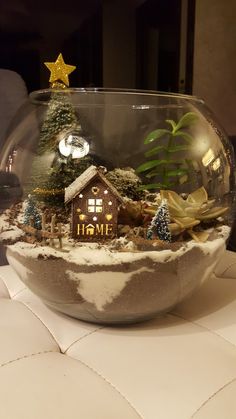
pixel 89 33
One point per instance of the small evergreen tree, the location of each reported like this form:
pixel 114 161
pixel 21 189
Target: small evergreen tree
pixel 31 213
pixel 60 119
pixel 159 224
pixel 61 175
pixel 60 116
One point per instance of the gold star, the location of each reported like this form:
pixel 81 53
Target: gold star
pixel 60 70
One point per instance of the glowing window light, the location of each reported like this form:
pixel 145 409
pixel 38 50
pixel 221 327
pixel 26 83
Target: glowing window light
pixel 216 164
pixel 208 157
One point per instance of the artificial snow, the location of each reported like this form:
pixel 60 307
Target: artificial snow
pixel 90 254
pixel 11 235
pixel 9 232
pixel 81 182
pixel 4 223
pixel 95 281
pixel 102 287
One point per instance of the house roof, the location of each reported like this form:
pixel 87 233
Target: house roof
pixel 84 179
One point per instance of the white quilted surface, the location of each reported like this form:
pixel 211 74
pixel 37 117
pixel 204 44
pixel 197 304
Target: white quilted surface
pixel 180 366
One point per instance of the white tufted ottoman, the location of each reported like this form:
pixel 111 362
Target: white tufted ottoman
pixel 180 366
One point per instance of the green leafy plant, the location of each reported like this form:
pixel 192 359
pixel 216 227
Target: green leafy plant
pixel 167 167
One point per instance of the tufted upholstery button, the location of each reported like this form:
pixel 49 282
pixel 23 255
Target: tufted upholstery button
pixel 178 366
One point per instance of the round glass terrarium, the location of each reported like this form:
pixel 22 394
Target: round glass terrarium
pixel 115 205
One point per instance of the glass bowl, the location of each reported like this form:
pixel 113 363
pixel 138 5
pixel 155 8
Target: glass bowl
pixel 115 205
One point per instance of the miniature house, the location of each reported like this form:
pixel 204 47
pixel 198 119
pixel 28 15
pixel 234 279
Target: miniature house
pixel 94 206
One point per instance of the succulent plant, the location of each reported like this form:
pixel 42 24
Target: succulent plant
pixel 188 213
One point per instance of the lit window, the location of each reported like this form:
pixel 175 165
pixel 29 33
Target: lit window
pixel 95 205
pixel 216 164
pixel 109 203
pixel 208 157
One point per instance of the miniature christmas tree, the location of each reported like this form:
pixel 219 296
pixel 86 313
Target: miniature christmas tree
pixel 60 117
pixel 31 214
pixel 159 224
pixel 61 134
pixel 62 175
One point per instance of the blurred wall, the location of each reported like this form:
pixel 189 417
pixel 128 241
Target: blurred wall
pixel 214 73
pixel 119 49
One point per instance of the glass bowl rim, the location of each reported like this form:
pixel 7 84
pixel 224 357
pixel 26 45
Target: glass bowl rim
pixel 36 96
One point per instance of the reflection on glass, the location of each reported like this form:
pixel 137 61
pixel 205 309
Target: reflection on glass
pixel 208 157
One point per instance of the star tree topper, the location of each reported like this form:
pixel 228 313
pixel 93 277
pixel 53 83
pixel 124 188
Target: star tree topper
pixel 59 70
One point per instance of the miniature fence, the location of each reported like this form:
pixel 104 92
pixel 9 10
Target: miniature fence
pixel 43 234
